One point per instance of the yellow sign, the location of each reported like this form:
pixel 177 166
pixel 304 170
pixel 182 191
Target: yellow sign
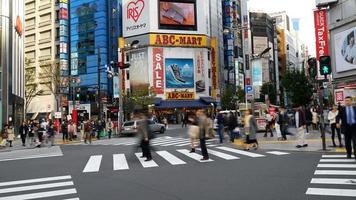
pixel 214 67
pixel 180 95
pixel 178 40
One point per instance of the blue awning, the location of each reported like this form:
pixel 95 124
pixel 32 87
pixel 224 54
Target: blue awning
pixel 182 104
pixel 208 100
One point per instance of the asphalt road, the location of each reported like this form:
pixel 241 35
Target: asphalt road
pixel 89 172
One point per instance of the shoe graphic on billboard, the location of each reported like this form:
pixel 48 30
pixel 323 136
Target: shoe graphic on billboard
pixel 175 71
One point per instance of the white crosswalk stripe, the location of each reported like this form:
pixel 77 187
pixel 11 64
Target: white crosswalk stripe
pixel 175 157
pixel 334 179
pixel 278 153
pixel 30 189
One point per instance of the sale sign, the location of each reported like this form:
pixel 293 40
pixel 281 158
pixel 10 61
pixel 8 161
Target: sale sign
pixel 158 73
pixel 321 33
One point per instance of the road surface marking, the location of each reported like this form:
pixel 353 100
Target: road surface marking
pixel 211 145
pixel 170 158
pixel 175 143
pixel 37 180
pixel 194 156
pixel 184 144
pixel 334 172
pixel 338 160
pixel 93 164
pixel 245 153
pixel 335 156
pixel 40 194
pixel 222 155
pixel 336 165
pixel 72 199
pixel 278 153
pixel 35 187
pixel 120 162
pixel 331 192
pixel 168 142
pixel 145 164
pixel 333 181
pixel 31 157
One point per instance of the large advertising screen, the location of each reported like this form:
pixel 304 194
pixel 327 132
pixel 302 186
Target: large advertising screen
pixel 177 14
pixel 179 73
pixel 345 50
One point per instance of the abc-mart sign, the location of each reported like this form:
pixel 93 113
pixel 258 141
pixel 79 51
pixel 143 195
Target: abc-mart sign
pixel 135 17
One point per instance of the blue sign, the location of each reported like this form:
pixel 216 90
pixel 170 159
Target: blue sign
pixel 249 89
pixel 179 73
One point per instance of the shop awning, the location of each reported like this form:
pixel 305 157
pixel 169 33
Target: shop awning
pixel 208 100
pixel 182 104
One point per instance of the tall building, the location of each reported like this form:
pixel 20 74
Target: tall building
pixel 42 51
pixel 94 31
pixel 12 61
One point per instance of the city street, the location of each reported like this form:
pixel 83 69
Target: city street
pixel 111 169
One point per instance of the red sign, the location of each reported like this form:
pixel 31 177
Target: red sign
pixel 248 81
pixel 158 77
pixel 321 33
pixel 134 9
pixel 18 26
pixel 339 96
pixel 63 14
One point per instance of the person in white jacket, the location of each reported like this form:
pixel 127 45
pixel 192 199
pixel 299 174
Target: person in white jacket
pixel 332 118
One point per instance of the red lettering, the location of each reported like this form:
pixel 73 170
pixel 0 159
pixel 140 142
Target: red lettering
pixel 194 41
pixel 158 40
pixel 165 39
pixel 172 40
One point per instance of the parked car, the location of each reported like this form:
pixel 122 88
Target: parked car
pixel 131 127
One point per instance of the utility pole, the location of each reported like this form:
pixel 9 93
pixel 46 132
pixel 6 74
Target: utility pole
pixel 99 85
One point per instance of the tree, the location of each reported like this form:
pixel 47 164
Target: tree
pixel 298 87
pixel 240 94
pixel 31 86
pixel 50 74
pixel 141 99
pixel 269 89
pixel 227 99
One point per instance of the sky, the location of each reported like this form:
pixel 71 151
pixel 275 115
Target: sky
pixel 302 9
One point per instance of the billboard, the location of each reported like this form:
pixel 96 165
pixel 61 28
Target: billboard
pixel 158 70
pixel 199 72
pixel 257 72
pixel 135 17
pixel 345 50
pixel 179 73
pixel 139 82
pixel 178 40
pixel 116 87
pixel 321 33
pixel 177 14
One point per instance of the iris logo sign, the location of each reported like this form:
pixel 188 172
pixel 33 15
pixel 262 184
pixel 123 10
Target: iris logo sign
pixel 134 9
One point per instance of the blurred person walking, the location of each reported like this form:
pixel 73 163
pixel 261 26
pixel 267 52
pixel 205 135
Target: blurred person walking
pixel 269 124
pixel 71 130
pixel 250 130
pixel 204 127
pixel 145 135
pixel 193 132
pixel 332 118
pixel 315 119
pixel 64 128
pixel 31 134
pixel 10 135
pixel 109 127
pixel 51 132
pixel 4 136
pixel 88 131
pixel 23 132
pixel 232 124
pixel 300 124
pixel 220 122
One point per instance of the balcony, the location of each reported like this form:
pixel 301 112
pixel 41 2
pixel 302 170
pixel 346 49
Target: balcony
pixel 29 44
pixel 30 10
pixel 45 6
pixel 43 41
pixel 45 58
pixel 45 23
pixel 30 27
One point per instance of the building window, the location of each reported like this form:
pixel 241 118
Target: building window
pixel 57 33
pixel 30 38
pixel 57 15
pixel 45 35
pixel 30 22
pixel 30 5
pixel 57 51
pixel 30 55
pixel 46 17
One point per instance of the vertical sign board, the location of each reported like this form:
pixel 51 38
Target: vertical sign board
pixel 257 72
pixel 321 33
pixel 158 73
pixel 214 67
pixel 116 87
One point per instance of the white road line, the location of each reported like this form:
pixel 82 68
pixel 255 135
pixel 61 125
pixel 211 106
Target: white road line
pixel 40 194
pixel 211 145
pixel 222 155
pixel 184 144
pixel 194 156
pixel 334 156
pixel 336 165
pixel 37 180
pixel 331 192
pixel 168 142
pixel 120 162
pixel 174 143
pixel 278 153
pixel 333 181
pixel 129 143
pixel 338 160
pixel 93 164
pixel 35 187
pixel 170 158
pixel 31 157
pixel 245 153
pixel 144 164
pixel 72 199
pixel 335 172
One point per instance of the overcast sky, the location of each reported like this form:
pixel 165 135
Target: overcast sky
pixel 302 9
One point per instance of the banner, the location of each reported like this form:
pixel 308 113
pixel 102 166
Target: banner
pixel 158 73
pixel 257 72
pixel 116 87
pixel 321 33
pixel 214 68
pixel 179 73
pixel 139 82
pixel 180 95
pixel 178 40
pixel 199 72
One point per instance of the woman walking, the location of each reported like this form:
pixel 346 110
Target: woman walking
pixel 23 130
pixel 315 119
pixel 250 131
pixel 332 118
pixel 51 134
pixel 193 132
pixel 11 135
pixel 4 136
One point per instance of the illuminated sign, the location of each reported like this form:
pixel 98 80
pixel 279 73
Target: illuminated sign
pixel 180 95
pixel 178 40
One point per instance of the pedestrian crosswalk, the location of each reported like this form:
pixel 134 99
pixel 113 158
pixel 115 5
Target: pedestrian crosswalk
pixel 335 176
pixel 164 141
pixel 172 157
pixel 58 186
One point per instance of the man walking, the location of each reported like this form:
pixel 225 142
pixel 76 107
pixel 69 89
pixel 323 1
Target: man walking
pixel 109 127
pixel 204 126
pixel 23 132
pixel 283 122
pixel 347 116
pixel 220 122
pixel 300 124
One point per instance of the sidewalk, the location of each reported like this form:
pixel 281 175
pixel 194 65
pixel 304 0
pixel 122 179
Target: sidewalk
pixel 313 139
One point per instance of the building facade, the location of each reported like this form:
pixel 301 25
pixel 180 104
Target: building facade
pixel 12 61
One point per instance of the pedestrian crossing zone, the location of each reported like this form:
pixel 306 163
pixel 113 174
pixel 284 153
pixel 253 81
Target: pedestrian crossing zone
pixel 334 177
pixel 57 187
pixel 172 157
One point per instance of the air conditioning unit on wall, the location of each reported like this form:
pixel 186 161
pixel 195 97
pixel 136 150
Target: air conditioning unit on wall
pixel 324 3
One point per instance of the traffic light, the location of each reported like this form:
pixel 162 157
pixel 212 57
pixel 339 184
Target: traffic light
pixel 325 65
pixel 312 67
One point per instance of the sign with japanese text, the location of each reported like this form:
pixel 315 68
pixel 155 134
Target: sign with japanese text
pixel 158 73
pixel 214 67
pixel 321 33
pixel 180 95
pixel 199 72
pixel 135 16
pixel 178 40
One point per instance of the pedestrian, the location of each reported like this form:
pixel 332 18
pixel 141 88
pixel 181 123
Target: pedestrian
pixel 10 135
pixel 4 136
pixel 87 131
pixel 23 132
pixel 40 133
pixel 315 119
pixel 204 128
pixel 232 124
pixel 193 132
pixel 220 123
pixel 332 118
pixel 277 125
pixel 250 126
pixel 347 115
pixel 300 124
pixel 31 134
pixel 184 120
pixel 308 118
pixel 283 122
pixel 145 135
pixel 50 131
pixel 269 124
pixel 71 130
pixel 109 127
pixel 64 128
pixel 165 122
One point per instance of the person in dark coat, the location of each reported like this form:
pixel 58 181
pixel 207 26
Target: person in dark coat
pixel 23 131
pixel 300 124
pixel 220 122
pixel 64 128
pixel 145 136
pixel 232 125
pixel 309 118
pixel 346 119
